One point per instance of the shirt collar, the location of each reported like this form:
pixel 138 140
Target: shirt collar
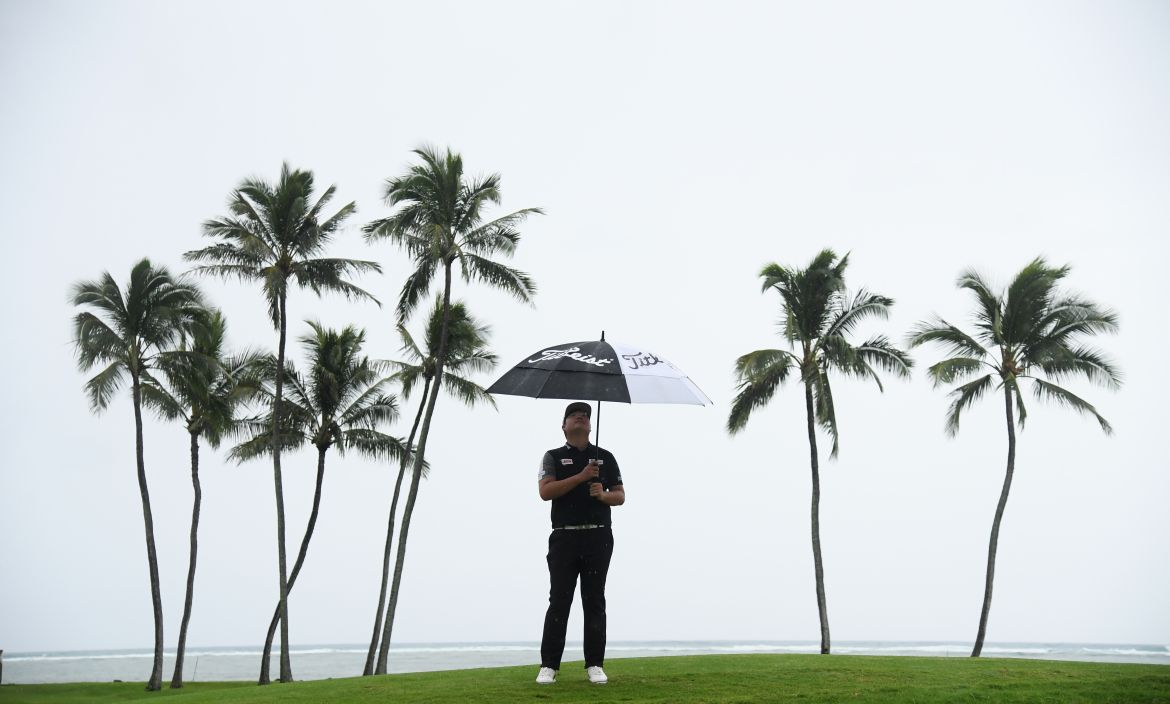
pixel 570 446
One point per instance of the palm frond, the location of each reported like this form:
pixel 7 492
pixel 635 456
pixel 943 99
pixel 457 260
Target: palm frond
pixel 498 236
pixel 415 287
pixel 955 369
pixel 96 342
pixel 879 352
pixel 864 305
pixel 954 340
pixel 1083 361
pixel 512 281
pixel 1046 391
pixel 470 393
pixel 103 385
pixel 963 397
pixel 326 275
pixel 162 401
pixel 989 310
pixel 826 411
pixel 758 375
pixel 1028 298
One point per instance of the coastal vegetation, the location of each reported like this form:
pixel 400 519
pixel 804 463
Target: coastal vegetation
pixel 440 222
pixel 341 403
pixel 710 679
pixel 124 332
pixel 1031 329
pixel 205 388
pixel 467 352
pixel 275 234
pixel 818 317
pixel 162 336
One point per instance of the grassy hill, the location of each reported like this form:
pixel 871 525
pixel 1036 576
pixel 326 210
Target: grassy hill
pixel 709 679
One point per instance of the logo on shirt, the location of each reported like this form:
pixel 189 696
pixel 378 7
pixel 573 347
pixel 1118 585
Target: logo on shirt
pixel 566 461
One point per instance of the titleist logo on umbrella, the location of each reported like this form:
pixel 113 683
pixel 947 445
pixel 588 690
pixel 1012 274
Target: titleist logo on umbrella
pixel 572 353
pixel 642 359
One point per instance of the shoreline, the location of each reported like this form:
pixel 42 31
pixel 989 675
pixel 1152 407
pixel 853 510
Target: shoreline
pixel 318 662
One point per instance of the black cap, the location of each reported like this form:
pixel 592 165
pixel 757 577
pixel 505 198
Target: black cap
pixel 575 407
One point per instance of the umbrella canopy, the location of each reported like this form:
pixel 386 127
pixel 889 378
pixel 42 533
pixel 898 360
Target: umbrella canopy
pixel 598 370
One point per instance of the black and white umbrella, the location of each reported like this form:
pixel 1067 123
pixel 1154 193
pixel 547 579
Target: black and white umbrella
pixel 599 370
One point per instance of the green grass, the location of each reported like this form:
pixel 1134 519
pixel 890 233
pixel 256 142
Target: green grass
pixel 711 679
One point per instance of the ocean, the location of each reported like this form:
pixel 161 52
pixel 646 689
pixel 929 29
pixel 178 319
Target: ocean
pixel 328 661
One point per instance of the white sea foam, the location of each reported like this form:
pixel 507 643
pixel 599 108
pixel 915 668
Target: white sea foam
pixel 345 660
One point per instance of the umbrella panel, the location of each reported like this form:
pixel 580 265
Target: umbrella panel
pixel 545 383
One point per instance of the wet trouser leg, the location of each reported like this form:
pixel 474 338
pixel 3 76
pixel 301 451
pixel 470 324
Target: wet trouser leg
pixel 562 576
pixel 594 568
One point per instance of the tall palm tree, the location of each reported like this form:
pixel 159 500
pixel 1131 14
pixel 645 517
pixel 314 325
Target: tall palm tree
pixel 275 234
pixel 341 404
pixel 204 388
pixel 467 352
pixel 125 331
pixel 818 316
pixel 440 223
pixel 1031 329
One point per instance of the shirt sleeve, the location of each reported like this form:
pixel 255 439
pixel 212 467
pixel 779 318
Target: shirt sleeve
pixel 547 467
pixel 613 472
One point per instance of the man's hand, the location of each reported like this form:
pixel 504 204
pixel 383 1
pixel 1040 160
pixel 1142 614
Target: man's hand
pixel 588 474
pixel 556 488
pixel 596 490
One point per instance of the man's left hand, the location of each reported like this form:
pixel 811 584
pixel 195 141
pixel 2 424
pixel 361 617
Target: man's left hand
pixel 596 490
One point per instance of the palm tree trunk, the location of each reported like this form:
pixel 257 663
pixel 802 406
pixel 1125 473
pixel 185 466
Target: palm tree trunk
pixel 369 668
pixel 994 543
pixel 155 682
pixel 818 567
pixel 285 664
pixel 177 679
pixel 296 570
pixel 416 475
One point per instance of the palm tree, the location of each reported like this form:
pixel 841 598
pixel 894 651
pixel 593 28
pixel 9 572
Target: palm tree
pixel 818 315
pixel 441 223
pixel 125 332
pixel 204 388
pixel 467 345
pixel 342 404
pixel 1030 330
pixel 275 234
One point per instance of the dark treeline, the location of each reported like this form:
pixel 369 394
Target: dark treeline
pixel 160 335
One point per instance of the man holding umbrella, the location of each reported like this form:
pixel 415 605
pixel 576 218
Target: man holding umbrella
pixel 582 481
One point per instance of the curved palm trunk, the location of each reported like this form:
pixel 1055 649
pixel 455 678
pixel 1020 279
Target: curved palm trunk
pixel 296 570
pixel 416 475
pixel 818 568
pixel 369 668
pixel 993 546
pixel 285 664
pixel 155 682
pixel 177 679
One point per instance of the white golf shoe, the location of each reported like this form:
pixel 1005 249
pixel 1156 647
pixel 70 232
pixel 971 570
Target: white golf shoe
pixel 547 675
pixel 596 675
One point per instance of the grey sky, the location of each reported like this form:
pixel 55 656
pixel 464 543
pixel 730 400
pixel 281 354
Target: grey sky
pixel 676 147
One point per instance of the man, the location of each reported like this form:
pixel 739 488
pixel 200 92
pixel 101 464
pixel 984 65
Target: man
pixel 582 481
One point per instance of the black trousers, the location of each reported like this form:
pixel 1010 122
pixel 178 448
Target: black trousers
pixel 572 553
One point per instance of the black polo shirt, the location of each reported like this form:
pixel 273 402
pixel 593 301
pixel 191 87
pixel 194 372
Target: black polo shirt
pixel 577 507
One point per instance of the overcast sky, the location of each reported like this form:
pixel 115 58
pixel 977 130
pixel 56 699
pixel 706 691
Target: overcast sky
pixel 677 148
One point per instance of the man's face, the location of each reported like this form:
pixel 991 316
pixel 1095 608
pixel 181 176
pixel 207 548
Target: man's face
pixel 576 422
